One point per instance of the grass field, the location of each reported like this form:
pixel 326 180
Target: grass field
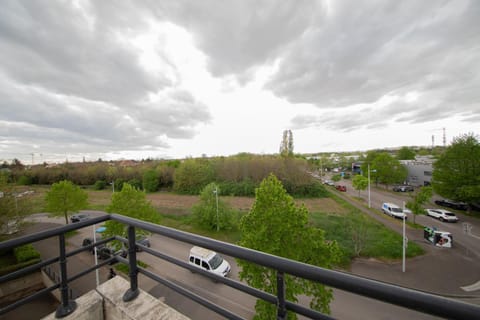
pixel 332 215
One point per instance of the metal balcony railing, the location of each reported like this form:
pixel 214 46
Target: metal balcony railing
pixel 408 298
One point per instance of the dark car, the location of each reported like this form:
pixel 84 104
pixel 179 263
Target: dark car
pixel 475 206
pixel 103 251
pixel 403 188
pixel 452 204
pixel 79 217
pixel 341 188
pixel 144 241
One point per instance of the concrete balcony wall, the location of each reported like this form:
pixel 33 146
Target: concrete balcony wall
pixel 106 302
pixel 89 307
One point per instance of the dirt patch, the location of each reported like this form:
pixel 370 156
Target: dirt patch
pixel 181 204
pixel 169 203
pixel 326 205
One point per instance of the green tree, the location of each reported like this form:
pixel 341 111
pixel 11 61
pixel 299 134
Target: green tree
pixel 12 208
pixel 150 181
pixel 405 153
pixel 64 197
pixel 359 183
pixel 192 176
pixel 275 225
pixel 357 227
pixel 388 170
pixel 99 185
pixel 211 212
pixel 456 173
pixel 336 177
pixel 418 200
pixel 132 203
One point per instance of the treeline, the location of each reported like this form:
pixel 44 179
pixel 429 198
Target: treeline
pixel 238 175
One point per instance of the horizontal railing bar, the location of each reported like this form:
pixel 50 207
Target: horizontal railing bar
pixel 51 232
pixel 97 266
pixel 409 298
pixel 299 309
pixel 312 314
pixel 190 295
pixel 90 246
pixel 18 273
pixel 25 300
pixel 405 297
pixel 229 282
pixel 28 269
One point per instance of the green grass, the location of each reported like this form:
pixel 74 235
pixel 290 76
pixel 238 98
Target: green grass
pixel 126 269
pixel 184 223
pixel 381 242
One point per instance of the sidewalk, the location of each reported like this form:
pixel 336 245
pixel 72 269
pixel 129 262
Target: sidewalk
pixel 441 271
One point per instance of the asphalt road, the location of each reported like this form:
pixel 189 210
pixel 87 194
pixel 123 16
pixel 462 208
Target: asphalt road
pixel 344 306
pixel 470 243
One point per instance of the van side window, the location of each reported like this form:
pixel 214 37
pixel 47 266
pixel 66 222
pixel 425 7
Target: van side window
pixel 205 265
pixel 191 259
pixel 197 261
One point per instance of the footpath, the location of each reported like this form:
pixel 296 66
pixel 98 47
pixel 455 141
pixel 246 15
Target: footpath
pixel 441 271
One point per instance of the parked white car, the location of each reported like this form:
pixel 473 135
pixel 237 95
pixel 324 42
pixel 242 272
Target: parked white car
pixel 442 215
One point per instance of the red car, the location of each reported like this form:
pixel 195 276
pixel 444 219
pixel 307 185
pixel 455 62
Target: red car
pixel 341 188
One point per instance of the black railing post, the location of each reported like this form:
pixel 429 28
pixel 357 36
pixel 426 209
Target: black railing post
pixel 133 292
pixel 67 306
pixel 281 308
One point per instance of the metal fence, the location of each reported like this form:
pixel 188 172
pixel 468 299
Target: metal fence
pixel 408 298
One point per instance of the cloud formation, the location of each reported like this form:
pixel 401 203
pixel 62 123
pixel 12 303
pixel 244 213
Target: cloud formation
pixel 108 76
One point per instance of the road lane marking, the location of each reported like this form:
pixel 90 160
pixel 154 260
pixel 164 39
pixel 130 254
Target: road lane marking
pixel 472 287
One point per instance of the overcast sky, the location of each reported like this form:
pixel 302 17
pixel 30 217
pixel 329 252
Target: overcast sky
pixel 172 79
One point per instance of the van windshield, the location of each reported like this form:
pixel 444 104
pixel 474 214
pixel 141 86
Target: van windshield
pixel 215 262
pixel 399 210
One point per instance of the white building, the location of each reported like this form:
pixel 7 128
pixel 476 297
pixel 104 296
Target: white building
pixel 419 171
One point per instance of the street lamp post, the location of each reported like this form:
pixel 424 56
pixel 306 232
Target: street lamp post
pixel 405 240
pixel 216 197
pixel 369 205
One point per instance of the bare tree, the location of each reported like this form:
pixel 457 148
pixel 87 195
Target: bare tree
pixel 286 147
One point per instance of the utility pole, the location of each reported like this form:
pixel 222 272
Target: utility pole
pixel 404 239
pixel 368 166
pixel 216 197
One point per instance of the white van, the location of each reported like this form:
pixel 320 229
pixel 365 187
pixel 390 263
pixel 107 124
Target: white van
pixel 393 210
pixel 209 260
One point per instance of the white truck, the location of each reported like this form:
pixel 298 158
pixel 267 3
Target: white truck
pixel 209 260
pixel 393 210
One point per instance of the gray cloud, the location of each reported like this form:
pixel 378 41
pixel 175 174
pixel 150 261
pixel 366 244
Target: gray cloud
pixel 69 81
pixel 358 56
pixel 345 52
pixel 53 47
pixel 239 35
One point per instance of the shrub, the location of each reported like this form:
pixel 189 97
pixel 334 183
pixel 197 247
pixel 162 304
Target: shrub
pixel 150 181
pixel 99 185
pixel 25 180
pixel 192 176
pixel 313 189
pixel 136 183
pixel 25 253
pixel 245 188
